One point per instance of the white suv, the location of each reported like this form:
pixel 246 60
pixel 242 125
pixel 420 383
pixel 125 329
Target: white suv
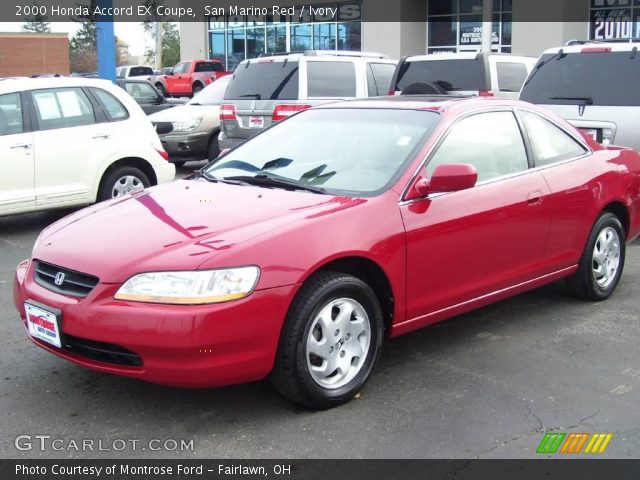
pixel 73 141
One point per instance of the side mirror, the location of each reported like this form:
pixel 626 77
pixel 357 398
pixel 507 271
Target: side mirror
pixel 169 72
pixel 445 178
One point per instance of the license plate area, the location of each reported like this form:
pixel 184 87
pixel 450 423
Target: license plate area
pixel 43 322
pixel 256 121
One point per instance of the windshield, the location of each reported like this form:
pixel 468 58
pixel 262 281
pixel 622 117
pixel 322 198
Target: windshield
pixel 212 94
pixel 264 81
pixel 609 79
pixel 354 152
pixel 452 75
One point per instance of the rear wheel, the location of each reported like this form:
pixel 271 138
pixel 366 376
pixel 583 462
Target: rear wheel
pixel 121 181
pixel 196 88
pixel 161 89
pixel 602 261
pixel 330 342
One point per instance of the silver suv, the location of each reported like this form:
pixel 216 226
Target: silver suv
pixel 268 89
pixel 594 86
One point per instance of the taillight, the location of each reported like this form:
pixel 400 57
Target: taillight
pixel 228 112
pixel 285 111
pixel 162 152
pixel 391 93
pixel 485 93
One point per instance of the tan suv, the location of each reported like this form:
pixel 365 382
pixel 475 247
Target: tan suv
pixel 268 89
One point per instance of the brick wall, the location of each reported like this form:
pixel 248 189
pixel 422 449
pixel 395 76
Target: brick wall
pixel 26 54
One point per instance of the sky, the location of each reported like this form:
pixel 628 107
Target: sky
pixel 130 32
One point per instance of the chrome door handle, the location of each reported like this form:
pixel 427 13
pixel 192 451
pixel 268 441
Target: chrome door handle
pixel 21 145
pixel 101 135
pixel 534 198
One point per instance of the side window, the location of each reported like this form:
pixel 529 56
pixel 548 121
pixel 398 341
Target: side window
pixel 180 68
pixel 548 142
pixel 62 108
pixel 140 91
pixel 511 76
pixel 490 141
pixel 379 76
pixel 10 114
pixel 115 110
pixel 331 79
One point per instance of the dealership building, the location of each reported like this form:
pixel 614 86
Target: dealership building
pixel 428 26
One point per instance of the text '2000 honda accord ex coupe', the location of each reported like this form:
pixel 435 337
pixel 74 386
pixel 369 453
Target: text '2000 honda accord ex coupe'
pixel 294 255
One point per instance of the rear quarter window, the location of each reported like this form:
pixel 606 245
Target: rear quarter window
pixel 511 76
pixel 379 77
pixel 331 79
pixel 113 107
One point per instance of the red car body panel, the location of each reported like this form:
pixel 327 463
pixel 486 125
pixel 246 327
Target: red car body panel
pixel 442 255
pixel 182 83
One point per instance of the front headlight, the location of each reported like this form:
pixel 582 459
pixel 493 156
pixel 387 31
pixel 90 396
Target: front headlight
pixel 187 126
pixel 190 288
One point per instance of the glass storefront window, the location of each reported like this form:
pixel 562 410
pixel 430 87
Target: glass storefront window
pixel 235 38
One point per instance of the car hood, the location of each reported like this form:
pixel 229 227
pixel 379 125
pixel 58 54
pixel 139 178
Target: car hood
pixel 178 226
pixel 183 113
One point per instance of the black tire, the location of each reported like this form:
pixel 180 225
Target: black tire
pixel 109 181
pixel 584 283
pixel 291 375
pixel 196 88
pixel 213 149
pixel 179 163
pixel 424 88
pixel 161 89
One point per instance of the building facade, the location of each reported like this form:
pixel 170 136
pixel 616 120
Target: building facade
pixel 25 54
pixel 436 26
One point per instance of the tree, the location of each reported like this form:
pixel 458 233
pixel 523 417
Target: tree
pixel 170 43
pixel 82 47
pixel 37 23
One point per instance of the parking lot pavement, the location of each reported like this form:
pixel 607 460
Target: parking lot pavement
pixel 485 384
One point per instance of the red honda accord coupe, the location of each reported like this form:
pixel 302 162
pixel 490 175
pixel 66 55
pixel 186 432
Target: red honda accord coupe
pixel 295 254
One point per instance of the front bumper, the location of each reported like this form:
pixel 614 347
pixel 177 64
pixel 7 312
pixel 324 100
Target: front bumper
pixel 187 346
pixel 186 146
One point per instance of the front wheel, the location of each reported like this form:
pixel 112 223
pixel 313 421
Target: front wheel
pixel 602 261
pixel 331 340
pixel 121 181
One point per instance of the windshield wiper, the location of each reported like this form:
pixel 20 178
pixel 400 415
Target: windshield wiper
pixel 202 173
pixel 264 180
pixel 257 96
pixel 560 55
pixel 585 100
pixel 195 103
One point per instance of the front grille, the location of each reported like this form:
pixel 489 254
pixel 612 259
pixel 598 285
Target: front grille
pixel 101 352
pixel 162 128
pixel 64 281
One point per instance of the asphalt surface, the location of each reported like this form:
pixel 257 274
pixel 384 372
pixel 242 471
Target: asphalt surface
pixel 486 384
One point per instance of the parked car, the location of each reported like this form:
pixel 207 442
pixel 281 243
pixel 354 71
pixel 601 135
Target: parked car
pixel 134 71
pixel 73 141
pixel 485 75
pixel 266 90
pixel 195 126
pixel 189 77
pixel 145 95
pixel 592 85
pixel 294 255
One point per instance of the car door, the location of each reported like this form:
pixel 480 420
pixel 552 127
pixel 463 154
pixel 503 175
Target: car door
pixel 181 80
pixel 16 156
pixel 72 140
pixel 467 244
pixel 560 157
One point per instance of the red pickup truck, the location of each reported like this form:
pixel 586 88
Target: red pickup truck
pixel 189 77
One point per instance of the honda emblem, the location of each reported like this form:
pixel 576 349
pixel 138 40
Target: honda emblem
pixel 59 280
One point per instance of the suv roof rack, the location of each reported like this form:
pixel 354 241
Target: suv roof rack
pixel 613 40
pixel 337 53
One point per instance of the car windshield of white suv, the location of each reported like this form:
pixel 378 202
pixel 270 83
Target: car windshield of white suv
pixel 353 152
pixel 586 78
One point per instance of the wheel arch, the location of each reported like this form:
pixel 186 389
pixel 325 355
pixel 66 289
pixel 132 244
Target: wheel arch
pixel 620 210
pixel 136 162
pixel 369 272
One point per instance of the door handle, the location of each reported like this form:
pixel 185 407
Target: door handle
pixel 101 135
pixel 21 145
pixel 534 198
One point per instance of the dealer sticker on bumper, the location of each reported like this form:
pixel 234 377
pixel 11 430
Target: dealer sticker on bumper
pixel 43 324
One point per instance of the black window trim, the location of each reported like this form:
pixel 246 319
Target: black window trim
pixel 34 114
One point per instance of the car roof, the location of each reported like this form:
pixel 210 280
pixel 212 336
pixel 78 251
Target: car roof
pixel 613 47
pixel 462 56
pixel 439 103
pixel 20 84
